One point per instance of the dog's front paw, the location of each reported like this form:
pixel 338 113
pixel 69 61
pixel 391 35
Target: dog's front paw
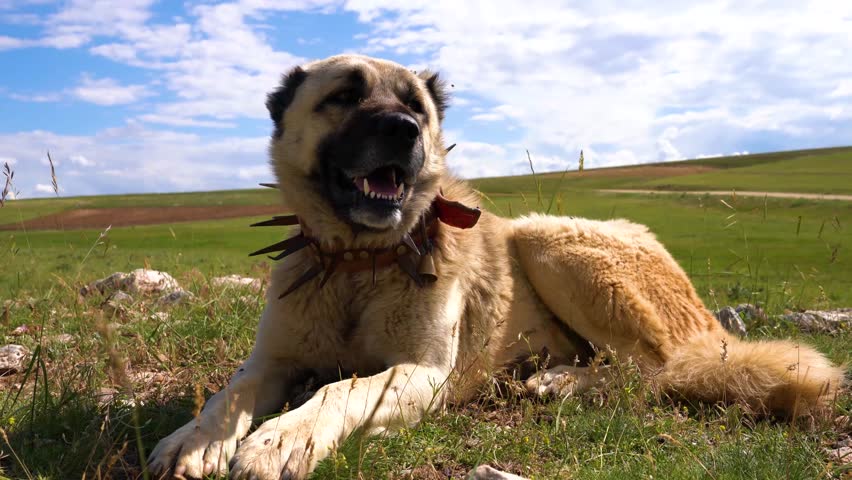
pixel 287 447
pixel 192 451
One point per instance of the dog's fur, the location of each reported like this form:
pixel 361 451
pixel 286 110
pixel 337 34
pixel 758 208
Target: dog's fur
pixel 505 289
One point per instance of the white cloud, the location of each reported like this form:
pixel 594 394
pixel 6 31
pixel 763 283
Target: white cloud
pixel 43 188
pixel 10 160
pixel 81 161
pixel 37 98
pixel 180 121
pixel 9 43
pixel 256 172
pixel 135 158
pixel 106 91
pixel 602 74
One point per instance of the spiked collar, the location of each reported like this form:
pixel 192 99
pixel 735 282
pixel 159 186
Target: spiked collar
pixel 413 254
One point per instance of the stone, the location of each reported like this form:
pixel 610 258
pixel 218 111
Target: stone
pixel 237 281
pixel 731 320
pixel 138 281
pixel 485 472
pixel 12 359
pixel 821 321
pixel 750 311
pixel 176 297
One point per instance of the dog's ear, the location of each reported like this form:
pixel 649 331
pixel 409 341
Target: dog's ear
pixel 437 90
pixel 278 101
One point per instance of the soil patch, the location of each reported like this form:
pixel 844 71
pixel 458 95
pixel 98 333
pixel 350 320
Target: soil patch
pixel 100 218
pixel 637 171
pixel 728 193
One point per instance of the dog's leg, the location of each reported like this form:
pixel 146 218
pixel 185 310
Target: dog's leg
pixel 205 444
pixel 291 445
pixel 564 380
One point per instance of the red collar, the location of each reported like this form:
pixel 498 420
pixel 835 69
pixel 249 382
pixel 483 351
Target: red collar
pixel 413 254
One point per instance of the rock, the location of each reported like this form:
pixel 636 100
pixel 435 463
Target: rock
pixel 237 281
pixel 160 316
pixel 117 303
pixel 484 472
pixel 175 298
pixel 841 451
pixel 750 312
pixel 821 321
pixel 12 358
pixel 138 281
pixel 63 338
pixel 731 320
pixel 25 330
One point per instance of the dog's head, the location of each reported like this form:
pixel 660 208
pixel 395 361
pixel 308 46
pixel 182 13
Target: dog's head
pixel 357 146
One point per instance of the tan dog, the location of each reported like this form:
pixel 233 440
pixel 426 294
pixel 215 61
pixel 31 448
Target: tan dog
pixel 359 157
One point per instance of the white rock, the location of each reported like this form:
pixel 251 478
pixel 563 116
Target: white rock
pixel 12 358
pixel 138 281
pixel 484 472
pixel 731 320
pixel 825 321
pixel 175 298
pixel 151 281
pixel 237 281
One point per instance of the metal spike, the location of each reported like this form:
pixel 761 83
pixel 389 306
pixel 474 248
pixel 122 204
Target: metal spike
pixel 446 151
pixel 269 185
pixel 329 270
pixel 277 220
pixel 290 251
pixel 407 240
pixel 292 243
pixel 406 263
pixel 306 277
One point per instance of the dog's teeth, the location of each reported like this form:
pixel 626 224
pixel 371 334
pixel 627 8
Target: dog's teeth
pixel 366 186
pixel 399 189
pixel 372 194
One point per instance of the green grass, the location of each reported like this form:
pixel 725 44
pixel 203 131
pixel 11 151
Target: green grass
pixel 783 253
pixel 32 208
pixel 802 171
pixel 816 174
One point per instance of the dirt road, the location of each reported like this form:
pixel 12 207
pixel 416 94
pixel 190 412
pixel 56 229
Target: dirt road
pixel 100 218
pixel 724 193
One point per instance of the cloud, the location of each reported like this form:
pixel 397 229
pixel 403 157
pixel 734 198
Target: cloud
pixel 604 76
pixel 106 91
pixel 626 82
pixel 43 188
pixel 81 161
pixel 9 160
pixel 136 158
pixel 37 98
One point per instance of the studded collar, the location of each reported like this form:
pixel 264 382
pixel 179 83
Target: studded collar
pixel 413 254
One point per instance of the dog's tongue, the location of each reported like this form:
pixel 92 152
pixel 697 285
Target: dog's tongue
pixel 382 181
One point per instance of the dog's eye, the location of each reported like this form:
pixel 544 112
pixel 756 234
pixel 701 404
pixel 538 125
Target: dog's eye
pixel 415 105
pixel 344 97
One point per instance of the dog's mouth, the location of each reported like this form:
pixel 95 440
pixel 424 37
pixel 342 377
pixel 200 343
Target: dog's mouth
pixel 384 184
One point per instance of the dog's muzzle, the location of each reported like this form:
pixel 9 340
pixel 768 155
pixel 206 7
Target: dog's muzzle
pixel 370 167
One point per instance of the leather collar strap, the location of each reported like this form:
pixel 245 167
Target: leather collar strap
pixel 413 254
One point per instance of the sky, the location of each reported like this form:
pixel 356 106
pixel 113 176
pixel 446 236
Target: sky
pixel 161 96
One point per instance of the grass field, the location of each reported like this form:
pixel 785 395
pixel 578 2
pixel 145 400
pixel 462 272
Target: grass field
pixel 89 406
pixel 805 171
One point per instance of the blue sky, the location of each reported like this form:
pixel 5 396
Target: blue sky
pixel 155 96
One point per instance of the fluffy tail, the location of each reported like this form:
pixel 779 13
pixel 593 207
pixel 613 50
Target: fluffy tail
pixel 779 377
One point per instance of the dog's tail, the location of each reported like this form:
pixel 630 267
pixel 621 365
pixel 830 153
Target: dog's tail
pixel 780 377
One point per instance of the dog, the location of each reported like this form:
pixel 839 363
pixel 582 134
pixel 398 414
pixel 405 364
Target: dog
pixel 399 289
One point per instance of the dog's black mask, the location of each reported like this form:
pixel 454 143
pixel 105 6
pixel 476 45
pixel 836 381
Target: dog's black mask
pixel 370 164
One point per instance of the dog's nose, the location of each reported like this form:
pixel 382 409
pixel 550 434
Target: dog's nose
pixel 398 125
